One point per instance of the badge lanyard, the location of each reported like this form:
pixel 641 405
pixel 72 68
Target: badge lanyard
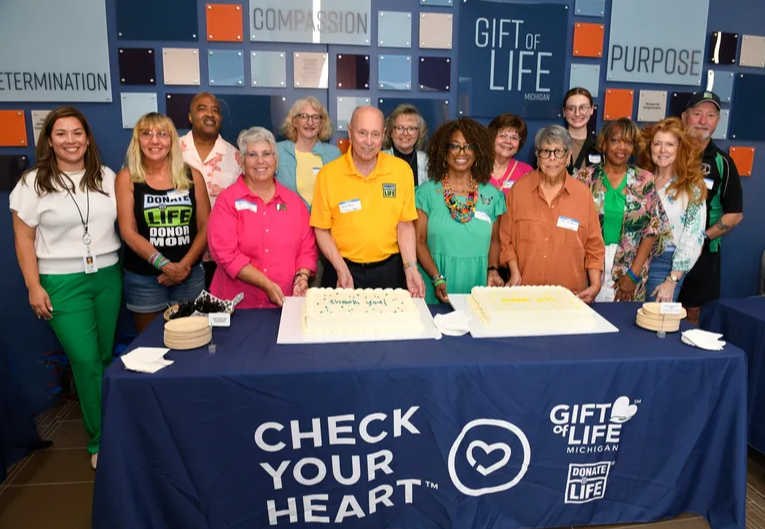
pixel 86 238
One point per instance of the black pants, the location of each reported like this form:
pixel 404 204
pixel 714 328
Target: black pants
pixel 702 283
pixel 388 273
pixel 210 267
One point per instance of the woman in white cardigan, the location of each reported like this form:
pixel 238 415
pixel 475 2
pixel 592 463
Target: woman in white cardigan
pixel 405 135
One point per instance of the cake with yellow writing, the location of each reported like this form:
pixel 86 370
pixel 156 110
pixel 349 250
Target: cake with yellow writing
pixel 529 306
pixel 360 311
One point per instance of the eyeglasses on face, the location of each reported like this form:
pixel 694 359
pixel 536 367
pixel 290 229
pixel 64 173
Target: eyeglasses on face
pixel 309 117
pixel 400 129
pixel 149 134
pixel 456 148
pixel 572 109
pixel 266 156
pixel 546 153
pixel 507 136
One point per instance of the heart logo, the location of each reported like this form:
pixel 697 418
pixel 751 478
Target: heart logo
pixel 488 449
pixel 622 411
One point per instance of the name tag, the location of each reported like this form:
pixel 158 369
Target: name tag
pixel 593 158
pixel 709 183
pixel 316 170
pixel 350 205
pixel 568 224
pixel 91 267
pixel 177 194
pixel 480 215
pixel 243 204
pixel 508 184
pixel 671 308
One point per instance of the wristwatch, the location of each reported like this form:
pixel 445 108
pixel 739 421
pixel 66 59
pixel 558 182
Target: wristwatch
pixel 672 279
pixel 438 277
pixel 494 268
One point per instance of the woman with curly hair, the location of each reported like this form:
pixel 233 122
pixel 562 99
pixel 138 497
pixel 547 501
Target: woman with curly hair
pixel 630 212
pixel 457 212
pixel 673 158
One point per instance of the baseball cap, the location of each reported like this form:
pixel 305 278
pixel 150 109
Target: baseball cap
pixel 703 97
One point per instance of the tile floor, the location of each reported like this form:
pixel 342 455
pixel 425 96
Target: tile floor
pixel 53 488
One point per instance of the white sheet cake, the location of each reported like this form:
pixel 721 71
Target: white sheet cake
pixel 529 306
pixel 361 311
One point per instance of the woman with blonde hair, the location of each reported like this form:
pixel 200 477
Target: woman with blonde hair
pixel 162 208
pixel 307 128
pixel 630 212
pixel 68 250
pixel 405 136
pixel 674 157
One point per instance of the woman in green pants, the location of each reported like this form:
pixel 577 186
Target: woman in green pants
pixel 64 213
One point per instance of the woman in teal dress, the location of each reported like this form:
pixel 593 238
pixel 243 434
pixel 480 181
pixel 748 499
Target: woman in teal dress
pixel 458 211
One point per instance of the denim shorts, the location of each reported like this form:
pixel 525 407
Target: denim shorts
pixel 144 295
pixel 661 266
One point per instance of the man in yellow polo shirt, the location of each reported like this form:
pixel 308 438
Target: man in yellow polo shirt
pixel 363 213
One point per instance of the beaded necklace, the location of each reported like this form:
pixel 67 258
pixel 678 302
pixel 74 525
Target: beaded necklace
pixel 460 212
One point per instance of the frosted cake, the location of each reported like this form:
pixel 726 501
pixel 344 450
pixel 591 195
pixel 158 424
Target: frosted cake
pixel 361 311
pixel 529 306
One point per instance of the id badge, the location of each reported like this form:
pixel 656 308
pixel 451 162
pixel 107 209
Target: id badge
pixel 568 223
pixel 91 267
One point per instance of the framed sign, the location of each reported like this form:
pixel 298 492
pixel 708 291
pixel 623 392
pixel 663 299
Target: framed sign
pixel 315 21
pixel 51 64
pixel 512 59
pixel 672 52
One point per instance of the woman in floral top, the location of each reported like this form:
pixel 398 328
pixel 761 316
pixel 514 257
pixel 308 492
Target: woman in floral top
pixel 631 215
pixel 674 159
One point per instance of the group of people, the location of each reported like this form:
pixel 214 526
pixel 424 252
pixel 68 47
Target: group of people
pixel 623 216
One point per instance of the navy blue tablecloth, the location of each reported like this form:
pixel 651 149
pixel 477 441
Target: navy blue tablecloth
pixel 742 322
pixel 456 433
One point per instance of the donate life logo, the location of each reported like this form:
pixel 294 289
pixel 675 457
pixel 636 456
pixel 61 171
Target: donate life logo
pixel 491 463
pixel 592 428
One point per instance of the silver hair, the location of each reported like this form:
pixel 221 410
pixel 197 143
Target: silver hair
pixel 552 135
pixel 252 135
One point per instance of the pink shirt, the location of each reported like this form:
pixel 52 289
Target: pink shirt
pixel 515 170
pixel 273 237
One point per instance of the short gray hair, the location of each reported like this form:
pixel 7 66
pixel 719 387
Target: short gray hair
pixel 552 135
pixel 252 135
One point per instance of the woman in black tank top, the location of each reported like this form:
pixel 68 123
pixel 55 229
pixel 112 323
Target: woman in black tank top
pixel 162 208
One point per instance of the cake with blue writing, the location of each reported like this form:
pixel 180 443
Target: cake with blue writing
pixel 529 305
pixel 360 311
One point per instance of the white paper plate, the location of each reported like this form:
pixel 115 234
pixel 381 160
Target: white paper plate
pixel 552 328
pixel 291 328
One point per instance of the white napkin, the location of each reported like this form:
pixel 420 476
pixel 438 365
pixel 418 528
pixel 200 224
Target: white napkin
pixel 703 340
pixel 146 359
pixel 455 323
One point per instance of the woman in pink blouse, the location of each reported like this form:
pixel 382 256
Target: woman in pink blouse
pixel 258 231
pixel 509 135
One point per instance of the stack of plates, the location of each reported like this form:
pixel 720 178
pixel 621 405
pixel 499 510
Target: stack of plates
pixel 650 317
pixel 187 333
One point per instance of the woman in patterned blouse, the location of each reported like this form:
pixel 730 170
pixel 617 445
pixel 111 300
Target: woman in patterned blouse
pixel 631 215
pixel 674 159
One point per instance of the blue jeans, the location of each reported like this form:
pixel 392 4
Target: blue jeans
pixel 661 266
pixel 144 295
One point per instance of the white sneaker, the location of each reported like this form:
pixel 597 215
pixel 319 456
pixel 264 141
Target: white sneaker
pixel 94 461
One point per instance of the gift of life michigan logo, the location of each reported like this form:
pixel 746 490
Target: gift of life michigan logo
pixel 168 218
pixel 488 456
pixel 587 429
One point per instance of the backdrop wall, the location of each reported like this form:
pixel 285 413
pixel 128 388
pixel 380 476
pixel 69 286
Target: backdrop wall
pixel 28 340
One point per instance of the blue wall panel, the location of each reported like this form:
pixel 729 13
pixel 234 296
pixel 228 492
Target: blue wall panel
pixel 742 248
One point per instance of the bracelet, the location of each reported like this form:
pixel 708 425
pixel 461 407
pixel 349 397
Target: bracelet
pixel 295 279
pixel 155 259
pixel 439 282
pixel 409 264
pixel 437 278
pixel 492 269
pixel 632 276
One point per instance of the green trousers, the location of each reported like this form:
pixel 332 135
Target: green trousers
pixel 85 312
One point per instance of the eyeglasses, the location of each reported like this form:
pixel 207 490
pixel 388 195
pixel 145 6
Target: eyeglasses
pixel 583 109
pixel 265 156
pixel 400 129
pixel 455 148
pixel 546 153
pixel 149 134
pixel 508 137
pixel 309 117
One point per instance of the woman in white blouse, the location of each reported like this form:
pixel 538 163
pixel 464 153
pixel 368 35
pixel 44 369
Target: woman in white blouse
pixel 64 212
pixel 675 160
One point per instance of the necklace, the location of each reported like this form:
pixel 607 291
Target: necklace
pixel 460 212
pixel 411 160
